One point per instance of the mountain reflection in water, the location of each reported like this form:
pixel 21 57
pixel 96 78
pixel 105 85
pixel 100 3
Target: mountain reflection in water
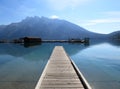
pixel 22 65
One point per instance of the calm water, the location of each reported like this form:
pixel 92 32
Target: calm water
pixel 21 67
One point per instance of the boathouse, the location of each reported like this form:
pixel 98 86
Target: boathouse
pixel 31 39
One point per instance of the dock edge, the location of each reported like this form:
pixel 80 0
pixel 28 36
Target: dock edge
pixel 41 77
pixel 80 75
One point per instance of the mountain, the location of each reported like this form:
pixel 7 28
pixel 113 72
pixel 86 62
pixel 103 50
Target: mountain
pixel 47 29
pixel 114 35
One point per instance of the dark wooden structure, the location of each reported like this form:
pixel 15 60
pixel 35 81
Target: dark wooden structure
pixel 85 40
pixel 31 40
pixel 76 41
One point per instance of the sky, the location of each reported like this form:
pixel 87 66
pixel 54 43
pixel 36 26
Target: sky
pixel 101 16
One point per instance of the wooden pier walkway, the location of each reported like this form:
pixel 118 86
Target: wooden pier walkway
pixel 60 73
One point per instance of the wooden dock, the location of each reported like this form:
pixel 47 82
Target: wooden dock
pixel 61 73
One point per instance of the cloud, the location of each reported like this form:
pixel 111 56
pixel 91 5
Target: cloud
pixel 63 4
pixel 112 13
pixel 110 20
pixel 111 17
pixel 102 21
pixel 54 17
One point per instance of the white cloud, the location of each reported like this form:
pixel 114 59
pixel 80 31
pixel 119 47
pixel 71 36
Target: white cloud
pixel 111 20
pixel 54 17
pixel 112 13
pixel 63 4
pixel 102 21
pixel 111 17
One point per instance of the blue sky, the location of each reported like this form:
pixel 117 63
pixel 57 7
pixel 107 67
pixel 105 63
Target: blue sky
pixel 102 16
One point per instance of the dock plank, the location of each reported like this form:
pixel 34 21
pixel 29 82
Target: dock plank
pixel 59 72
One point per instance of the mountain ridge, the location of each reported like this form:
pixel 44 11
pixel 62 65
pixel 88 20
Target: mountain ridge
pixel 47 29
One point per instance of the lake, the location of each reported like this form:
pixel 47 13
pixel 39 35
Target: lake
pixel 21 65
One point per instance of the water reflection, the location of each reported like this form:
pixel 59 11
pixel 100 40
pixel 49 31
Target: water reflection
pixel 26 45
pixel 21 50
pixel 100 64
pixel 115 42
pixel 21 65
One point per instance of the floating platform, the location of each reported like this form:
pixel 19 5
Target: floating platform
pixel 61 73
